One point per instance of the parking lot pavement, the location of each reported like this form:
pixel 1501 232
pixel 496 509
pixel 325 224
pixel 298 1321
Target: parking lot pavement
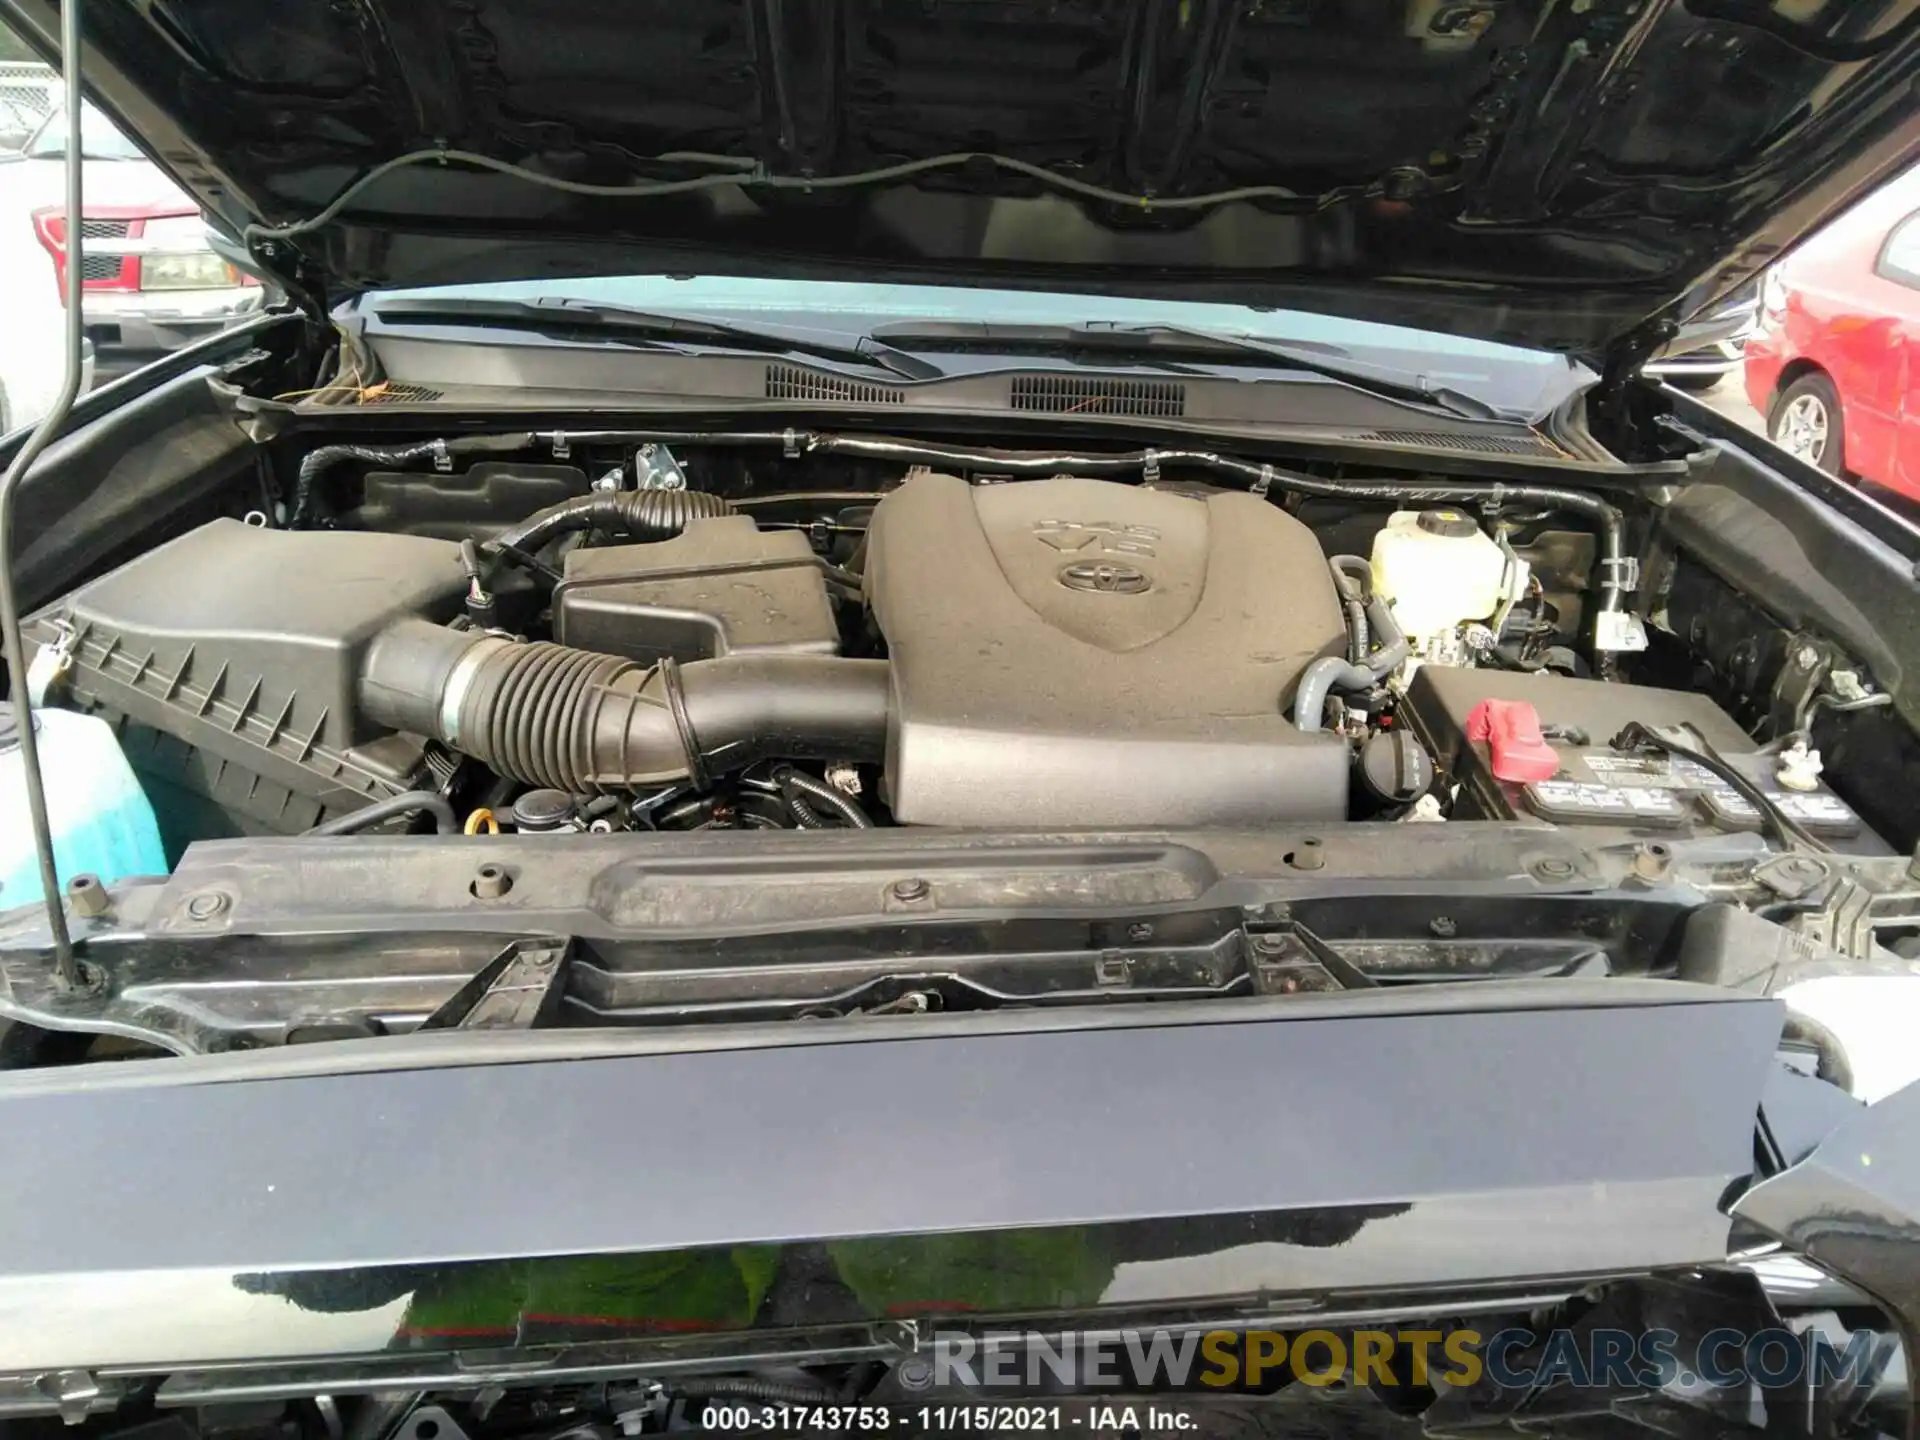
pixel 1729 397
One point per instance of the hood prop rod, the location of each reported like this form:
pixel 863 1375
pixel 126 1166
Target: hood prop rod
pixel 66 966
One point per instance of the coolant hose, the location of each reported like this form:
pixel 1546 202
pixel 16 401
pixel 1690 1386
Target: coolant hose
pixel 1327 673
pixel 1831 1063
pixel 1358 637
pixel 1356 568
pixel 1393 640
pixel 643 514
pixel 572 720
pixel 1353 578
pixel 407 802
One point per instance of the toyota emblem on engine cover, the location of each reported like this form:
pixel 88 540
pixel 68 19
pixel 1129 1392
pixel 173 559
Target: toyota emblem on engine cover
pixel 1105 578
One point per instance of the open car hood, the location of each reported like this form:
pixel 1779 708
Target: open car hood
pixel 1553 174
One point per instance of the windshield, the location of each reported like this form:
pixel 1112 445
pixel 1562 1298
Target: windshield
pixel 1515 379
pixel 98 138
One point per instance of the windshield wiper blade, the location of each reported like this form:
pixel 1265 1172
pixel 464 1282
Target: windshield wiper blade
pixel 1161 343
pixel 562 316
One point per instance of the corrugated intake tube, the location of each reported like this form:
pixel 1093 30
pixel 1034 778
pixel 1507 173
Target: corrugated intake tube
pixel 642 514
pixel 573 720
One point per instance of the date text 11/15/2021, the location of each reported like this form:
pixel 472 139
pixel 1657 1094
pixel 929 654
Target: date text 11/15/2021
pixel 873 1419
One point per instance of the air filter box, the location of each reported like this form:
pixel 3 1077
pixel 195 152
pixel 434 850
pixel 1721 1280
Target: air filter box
pixel 228 659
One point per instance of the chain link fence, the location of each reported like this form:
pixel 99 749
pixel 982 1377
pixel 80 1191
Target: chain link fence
pixel 28 93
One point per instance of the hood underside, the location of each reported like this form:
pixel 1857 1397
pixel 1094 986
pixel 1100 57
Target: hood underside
pixel 1550 172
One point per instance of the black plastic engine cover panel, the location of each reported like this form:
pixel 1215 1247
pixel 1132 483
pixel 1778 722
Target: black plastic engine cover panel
pixel 1077 652
pixel 721 587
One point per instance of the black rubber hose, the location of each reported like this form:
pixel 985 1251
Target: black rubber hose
pixel 1261 477
pixel 572 720
pixel 316 463
pixel 642 514
pixel 1393 641
pixel 804 815
pixel 1511 656
pixel 1359 570
pixel 1831 1063
pixel 1327 673
pixel 1353 578
pixel 1357 636
pixel 1258 476
pixel 793 781
pixel 405 803
pixel 1354 587
pixel 1363 668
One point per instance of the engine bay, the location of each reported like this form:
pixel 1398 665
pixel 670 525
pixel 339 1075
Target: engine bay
pixel 782 742
pixel 673 643
pixel 640 728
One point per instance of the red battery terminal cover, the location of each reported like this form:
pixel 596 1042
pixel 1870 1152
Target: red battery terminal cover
pixel 1510 729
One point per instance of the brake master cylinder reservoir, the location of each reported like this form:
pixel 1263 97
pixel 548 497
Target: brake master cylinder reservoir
pixel 1439 570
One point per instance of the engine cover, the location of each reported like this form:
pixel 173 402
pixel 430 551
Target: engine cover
pixel 1081 653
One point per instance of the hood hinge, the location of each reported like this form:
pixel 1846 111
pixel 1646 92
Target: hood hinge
pixel 304 285
pixel 1612 402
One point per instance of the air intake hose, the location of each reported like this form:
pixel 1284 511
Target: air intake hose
pixel 573 720
pixel 643 514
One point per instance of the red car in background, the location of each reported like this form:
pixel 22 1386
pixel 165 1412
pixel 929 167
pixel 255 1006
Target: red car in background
pixel 1835 367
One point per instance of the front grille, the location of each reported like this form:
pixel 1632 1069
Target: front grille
pixel 1469 444
pixel 100 267
pixel 1089 395
pixel 105 229
pixel 790 382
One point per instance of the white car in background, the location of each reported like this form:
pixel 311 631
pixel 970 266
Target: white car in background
pixel 32 344
pixel 152 283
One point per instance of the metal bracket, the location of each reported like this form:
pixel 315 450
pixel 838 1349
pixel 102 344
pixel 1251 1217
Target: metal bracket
pixel 428 1422
pixel 561 449
pixel 1622 571
pixel 656 468
pixel 1802 672
pixel 1297 962
pixel 1150 467
pixel 519 989
pixel 1619 630
pixel 442 460
pixel 1260 487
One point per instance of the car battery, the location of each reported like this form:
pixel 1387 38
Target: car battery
pixel 1587 782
